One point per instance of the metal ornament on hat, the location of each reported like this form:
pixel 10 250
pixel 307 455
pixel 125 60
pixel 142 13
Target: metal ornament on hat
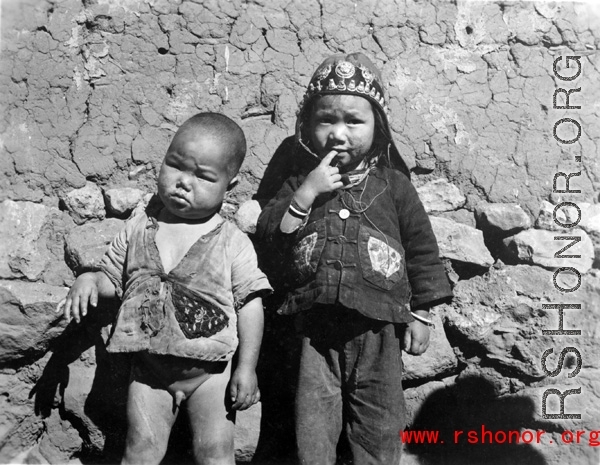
pixel 323 72
pixel 367 74
pixel 345 69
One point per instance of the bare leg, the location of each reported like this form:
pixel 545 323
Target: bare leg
pixel 150 416
pixel 212 424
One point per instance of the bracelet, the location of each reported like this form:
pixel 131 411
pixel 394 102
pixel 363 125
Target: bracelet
pixel 296 210
pixel 423 320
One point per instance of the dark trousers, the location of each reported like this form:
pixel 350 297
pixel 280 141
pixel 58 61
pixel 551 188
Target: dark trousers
pixel 350 379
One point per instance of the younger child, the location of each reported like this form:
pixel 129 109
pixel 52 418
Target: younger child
pixel 189 284
pixel 364 268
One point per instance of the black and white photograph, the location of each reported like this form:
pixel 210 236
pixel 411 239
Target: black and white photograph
pixel 300 232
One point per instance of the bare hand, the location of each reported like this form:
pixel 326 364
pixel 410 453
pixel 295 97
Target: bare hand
pixel 324 178
pixel 243 388
pixel 416 338
pixel 83 292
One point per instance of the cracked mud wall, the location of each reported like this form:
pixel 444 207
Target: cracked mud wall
pixel 92 91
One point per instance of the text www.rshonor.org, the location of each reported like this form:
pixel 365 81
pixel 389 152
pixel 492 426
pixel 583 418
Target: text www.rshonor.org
pixel 486 436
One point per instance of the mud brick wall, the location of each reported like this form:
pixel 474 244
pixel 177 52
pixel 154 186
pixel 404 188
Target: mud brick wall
pixel 92 91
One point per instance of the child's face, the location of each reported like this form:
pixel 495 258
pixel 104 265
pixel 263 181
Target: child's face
pixel 344 123
pixel 194 178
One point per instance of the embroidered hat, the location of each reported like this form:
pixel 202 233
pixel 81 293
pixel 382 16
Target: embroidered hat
pixel 351 74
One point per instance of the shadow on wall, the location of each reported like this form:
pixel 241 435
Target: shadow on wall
pixel 278 360
pixel 469 406
pixel 276 376
pixel 281 166
pixel 104 404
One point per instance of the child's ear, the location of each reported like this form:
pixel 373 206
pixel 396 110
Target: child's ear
pixel 233 183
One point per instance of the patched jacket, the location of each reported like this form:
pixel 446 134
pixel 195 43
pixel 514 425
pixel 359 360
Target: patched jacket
pixel 190 311
pixel 370 248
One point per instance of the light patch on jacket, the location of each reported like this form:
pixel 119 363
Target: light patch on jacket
pixel 384 259
pixel 303 252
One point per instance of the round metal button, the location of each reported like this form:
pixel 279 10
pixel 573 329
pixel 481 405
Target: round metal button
pixel 344 213
pixel 338 265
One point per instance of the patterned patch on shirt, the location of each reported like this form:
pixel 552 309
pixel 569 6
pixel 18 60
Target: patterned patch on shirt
pixel 384 259
pixel 152 315
pixel 196 316
pixel 302 254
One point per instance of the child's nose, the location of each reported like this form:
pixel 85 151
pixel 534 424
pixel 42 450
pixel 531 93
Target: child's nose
pixel 184 181
pixel 338 132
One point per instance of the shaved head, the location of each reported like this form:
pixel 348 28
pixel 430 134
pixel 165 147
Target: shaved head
pixel 223 130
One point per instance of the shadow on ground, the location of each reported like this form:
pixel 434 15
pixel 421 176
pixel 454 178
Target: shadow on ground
pixel 470 405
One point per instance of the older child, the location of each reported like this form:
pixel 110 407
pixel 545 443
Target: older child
pixel 189 284
pixel 364 268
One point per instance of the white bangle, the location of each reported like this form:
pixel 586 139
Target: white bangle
pixel 423 320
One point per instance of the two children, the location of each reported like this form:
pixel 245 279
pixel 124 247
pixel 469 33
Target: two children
pixel 363 274
pixel 189 285
pixel 363 269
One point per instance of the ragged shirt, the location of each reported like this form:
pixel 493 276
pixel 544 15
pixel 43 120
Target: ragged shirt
pixel 190 311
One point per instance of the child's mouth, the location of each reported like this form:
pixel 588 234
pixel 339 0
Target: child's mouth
pixel 178 198
pixel 337 160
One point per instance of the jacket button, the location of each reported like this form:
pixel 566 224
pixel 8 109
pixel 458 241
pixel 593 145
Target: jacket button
pixel 344 213
pixel 338 265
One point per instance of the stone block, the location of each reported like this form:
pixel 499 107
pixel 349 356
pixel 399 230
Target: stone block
pixel 500 317
pixel 538 247
pixel 460 216
pixel 247 216
pixel 461 242
pixel 585 216
pixel 28 321
pixel 85 204
pixel 122 201
pixel 87 243
pixel 590 218
pixel 440 196
pixel 20 229
pixel 505 218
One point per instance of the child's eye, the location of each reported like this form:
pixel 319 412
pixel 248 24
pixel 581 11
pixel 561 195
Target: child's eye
pixel 355 121
pixel 172 163
pixel 205 176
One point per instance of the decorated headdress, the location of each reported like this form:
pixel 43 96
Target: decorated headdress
pixel 351 74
